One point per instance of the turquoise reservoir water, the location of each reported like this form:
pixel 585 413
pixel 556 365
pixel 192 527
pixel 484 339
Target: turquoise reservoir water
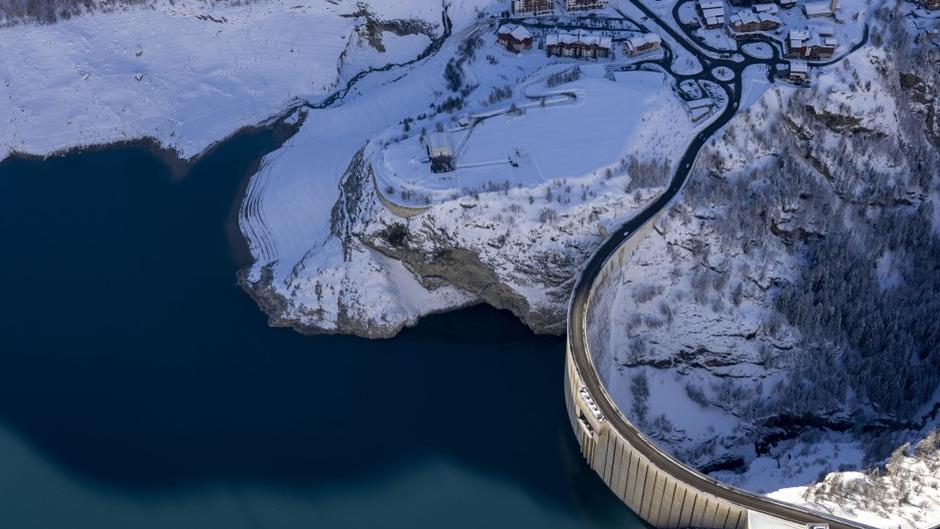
pixel 141 388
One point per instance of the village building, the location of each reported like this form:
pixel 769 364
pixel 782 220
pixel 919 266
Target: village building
pixel 712 13
pixel 642 44
pixel 786 4
pixel 514 38
pixel 770 9
pixel 930 4
pixel 798 72
pixel 584 5
pixel 805 44
pixel 581 45
pixel 744 22
pixel 533 7
pixel 441 153
pixel 820 8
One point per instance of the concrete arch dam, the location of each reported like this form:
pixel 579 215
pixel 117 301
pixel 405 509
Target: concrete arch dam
pixel 659 488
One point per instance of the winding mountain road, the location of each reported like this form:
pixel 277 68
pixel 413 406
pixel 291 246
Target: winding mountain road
pixel 592 275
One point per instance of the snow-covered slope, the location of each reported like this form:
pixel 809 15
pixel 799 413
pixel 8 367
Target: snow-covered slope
pixel 777 325
pixel 183 73
pixel 320 234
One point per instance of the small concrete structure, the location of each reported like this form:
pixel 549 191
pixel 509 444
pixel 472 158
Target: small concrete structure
pixel 642 44
pixel 441 153
pixel 514 38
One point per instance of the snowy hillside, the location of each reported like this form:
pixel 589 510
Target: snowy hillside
pixel 196 74
pixel 778 326
pixel 511 233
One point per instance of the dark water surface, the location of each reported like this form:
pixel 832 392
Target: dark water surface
pixel 139 387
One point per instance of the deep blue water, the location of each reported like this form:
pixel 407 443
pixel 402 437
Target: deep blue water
pixel 140 387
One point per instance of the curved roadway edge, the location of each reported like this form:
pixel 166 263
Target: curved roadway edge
pixel 661 489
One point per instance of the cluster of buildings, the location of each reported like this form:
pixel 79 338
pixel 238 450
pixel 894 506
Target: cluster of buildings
pixel 813 44
pixel 763 15
pixel 712 13
pixel 745 22
pixel 547 7
pixel 581 44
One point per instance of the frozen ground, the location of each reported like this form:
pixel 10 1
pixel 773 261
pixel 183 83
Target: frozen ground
pixel 182 73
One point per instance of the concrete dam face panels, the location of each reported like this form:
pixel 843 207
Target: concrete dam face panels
pixel 657 497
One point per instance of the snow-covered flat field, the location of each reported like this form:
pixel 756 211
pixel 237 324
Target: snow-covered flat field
pixel 182 73
pixel 566 139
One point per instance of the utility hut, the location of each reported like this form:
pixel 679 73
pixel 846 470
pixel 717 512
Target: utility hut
pixel 514 38
pixel 584 5
pixel 798 72
pixel 581 45
pixel 441 153
pixel 642 44
pixel 712 13
pixel 533 8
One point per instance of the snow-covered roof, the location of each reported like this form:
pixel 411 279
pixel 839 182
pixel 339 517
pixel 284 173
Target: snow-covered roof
pixel 799 34
pixel 825 30
pixel 714 12
pixel 440 144
pixel 714 20
pixel 817 8
pixel 645 39
pixel 582 37
pixel 515 31
pixel 766 8
pixel 747 17
pixel 711 4
pixel 799 67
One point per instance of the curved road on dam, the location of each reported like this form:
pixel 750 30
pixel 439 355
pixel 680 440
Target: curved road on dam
pixel 593 271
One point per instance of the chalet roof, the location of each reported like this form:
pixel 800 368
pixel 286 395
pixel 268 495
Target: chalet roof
pixel 711 4
pixel 766 8
pixel 799 67
pixel 645 39
pixel 747 17
pixel 817 8
pixel 582 37
pixel 714 12
pixel 515 31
